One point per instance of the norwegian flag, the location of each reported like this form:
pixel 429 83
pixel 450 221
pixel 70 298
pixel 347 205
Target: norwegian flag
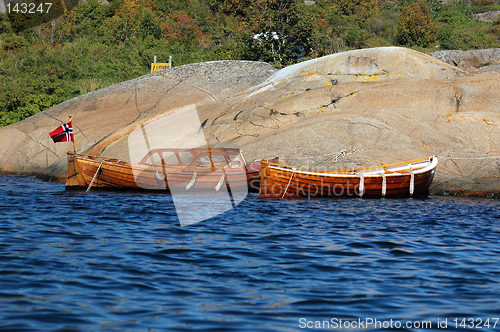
pixel 63 133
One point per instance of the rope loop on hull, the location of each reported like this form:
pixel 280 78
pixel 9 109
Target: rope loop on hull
pixel 384 185
pixel 221 181
pixel 193 180
pixel 361 185
pixel 412 183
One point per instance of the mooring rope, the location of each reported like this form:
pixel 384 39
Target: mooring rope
pixel 342 153
pixel 352 149
pixel 286 189
pixel 470 158
pixel 92 182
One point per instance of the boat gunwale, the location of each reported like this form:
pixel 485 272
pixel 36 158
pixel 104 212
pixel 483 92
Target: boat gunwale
pixel 433 162
pixel 147 166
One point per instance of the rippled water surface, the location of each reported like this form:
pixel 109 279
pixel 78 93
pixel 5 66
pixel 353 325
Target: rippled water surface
pixel 121 262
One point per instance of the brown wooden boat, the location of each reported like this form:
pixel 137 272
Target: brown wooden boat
pixel 411 178
pixel 166 169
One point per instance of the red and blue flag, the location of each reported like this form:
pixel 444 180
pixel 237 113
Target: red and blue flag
pixel 63 133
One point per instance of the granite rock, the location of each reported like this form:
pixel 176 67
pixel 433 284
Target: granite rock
pixel 491 16
pixel 379 106
pixel 472 61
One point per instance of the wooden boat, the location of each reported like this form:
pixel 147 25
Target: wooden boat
pixel 166 169
pixel 411 178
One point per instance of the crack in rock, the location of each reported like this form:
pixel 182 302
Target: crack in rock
pixel 271 127
pixel 10 145
pixel 152 107
pixel 37 142
pixel 241 135
pixel 236 116
pixel 336 99
pixel 220 115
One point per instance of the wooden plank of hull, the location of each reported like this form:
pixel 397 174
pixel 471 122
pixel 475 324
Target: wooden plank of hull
pixel 74 179
pixel 253 181
pixel 121 176
pixel 116 174
pixel 275 181
pixel 253 170
pixel 109 176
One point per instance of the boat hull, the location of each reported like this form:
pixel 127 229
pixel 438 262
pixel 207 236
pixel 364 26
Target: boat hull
pixel 253 170
pixel 285 182
pixel 86 172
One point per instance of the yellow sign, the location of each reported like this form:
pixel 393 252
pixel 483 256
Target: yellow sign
pixel 159 66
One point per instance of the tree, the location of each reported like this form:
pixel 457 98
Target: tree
pixel 362 9
pixel 416 26
pixel 230 7
pixel 281 31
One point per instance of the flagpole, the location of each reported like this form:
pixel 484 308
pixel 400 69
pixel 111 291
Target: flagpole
pixel 74 146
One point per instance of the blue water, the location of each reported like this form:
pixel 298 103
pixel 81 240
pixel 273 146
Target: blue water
pixel 121 262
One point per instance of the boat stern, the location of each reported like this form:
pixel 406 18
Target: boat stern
pixel 74 181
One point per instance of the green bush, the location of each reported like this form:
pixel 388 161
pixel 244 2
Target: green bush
pixel 434 7
pixel 455 15
pixel 467 39
pixel 383 26
pixel 354 37
pixel 4 24
pixel 13 42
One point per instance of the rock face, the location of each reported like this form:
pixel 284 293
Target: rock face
pixel 378 105
pixel 491 16
pixel 98 117
pixel 472 61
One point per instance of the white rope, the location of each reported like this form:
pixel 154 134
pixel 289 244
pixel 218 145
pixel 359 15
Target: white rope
pixel 361 185
pixel 473 158
pixel 346 152
pixel 193 180
pixel 384 185
pixel 92 182
pixel 412 182
pixel 158 176
pixel 286 189
pixel 221 181
pixel 352 149
pixel 342 153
